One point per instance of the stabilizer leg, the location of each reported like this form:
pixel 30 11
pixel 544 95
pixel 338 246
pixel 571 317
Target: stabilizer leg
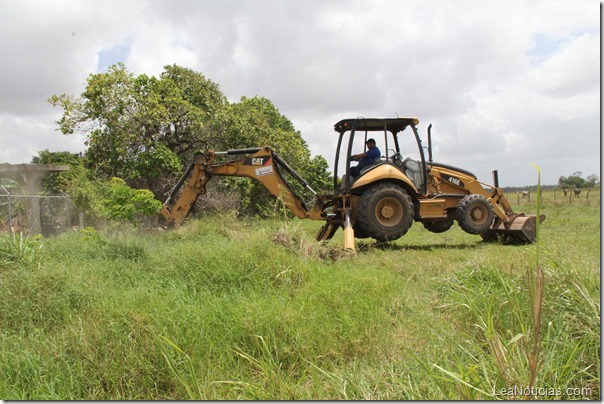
pixel 348 232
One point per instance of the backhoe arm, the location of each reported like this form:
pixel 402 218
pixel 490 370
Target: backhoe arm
pixel 263 165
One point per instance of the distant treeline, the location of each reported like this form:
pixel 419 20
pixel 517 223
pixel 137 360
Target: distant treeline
pixel 534 188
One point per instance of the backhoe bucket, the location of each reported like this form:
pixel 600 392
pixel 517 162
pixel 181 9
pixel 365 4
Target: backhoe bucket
pixel 327 231
pixel 521 230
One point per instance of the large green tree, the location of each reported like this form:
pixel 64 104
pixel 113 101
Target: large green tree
pixel 145 129
pixel 141 128
pixel 257 122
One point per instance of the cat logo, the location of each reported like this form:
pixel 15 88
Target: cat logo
pixel 257 161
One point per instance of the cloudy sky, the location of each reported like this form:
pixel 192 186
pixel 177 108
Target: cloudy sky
pixel 504 83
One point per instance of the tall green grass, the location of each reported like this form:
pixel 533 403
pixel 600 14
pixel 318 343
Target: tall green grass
pixel 254 309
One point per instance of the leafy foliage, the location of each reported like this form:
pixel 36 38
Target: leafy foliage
pixel 257 122
pixel 125 204
pixel 97 198
pixel 140 128
pixel 575 181
pixel 58 182
pixel 145 129
pixel 18 248
pixel 78 182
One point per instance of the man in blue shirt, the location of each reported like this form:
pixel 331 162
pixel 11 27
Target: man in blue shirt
pixel 370 157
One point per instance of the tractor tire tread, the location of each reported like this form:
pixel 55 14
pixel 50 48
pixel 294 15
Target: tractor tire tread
pixel 369 224
pixel 464 214
pixel 438 226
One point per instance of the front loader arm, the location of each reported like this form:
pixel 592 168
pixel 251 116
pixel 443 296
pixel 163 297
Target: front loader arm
pixel 517 227
pixel 263 165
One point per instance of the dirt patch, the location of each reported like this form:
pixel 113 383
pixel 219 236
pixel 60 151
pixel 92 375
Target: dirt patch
pixel 296 242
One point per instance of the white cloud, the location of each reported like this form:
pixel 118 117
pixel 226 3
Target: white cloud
pixel 572 70
pixel 23 136
pixel 502 82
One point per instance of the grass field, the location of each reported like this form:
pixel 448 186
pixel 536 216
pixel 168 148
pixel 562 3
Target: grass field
pixel 225 308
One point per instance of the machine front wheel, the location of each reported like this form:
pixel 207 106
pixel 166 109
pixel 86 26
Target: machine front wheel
pixel 475 214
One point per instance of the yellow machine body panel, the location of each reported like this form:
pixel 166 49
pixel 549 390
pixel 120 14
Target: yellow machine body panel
pixel 380 173
pixel 433 208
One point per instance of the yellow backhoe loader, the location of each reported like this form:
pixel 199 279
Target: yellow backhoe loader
pixel 385 197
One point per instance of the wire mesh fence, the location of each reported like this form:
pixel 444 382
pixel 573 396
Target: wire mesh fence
pixel 35 214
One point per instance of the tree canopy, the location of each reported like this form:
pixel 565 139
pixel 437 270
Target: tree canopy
pixel 140 128
pixel 575 181
pixel 145 129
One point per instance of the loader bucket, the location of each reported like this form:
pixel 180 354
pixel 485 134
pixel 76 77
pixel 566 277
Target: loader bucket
pixel 522 229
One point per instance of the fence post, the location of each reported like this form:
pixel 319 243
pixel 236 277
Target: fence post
pixel 10 217
pixel 68 213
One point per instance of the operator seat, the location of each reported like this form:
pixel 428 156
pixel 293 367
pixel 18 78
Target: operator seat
pixel 413 171
pixel 368 167
pixel 352 178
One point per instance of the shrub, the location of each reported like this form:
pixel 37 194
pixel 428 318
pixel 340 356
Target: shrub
pixel 19 249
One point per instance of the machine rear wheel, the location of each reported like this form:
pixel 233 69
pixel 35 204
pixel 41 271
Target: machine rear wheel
pixel 475 214
pixel 438 226
pixel 385 213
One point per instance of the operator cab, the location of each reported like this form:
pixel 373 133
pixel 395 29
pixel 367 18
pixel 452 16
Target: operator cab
pixel 403 152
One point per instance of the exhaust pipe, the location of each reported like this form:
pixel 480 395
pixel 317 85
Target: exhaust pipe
pixel 430 143
pixel 495 178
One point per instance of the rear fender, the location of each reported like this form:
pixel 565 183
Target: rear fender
pixel 383 172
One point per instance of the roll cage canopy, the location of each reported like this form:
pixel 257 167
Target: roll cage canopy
pixel 349 130
pixel 393 125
